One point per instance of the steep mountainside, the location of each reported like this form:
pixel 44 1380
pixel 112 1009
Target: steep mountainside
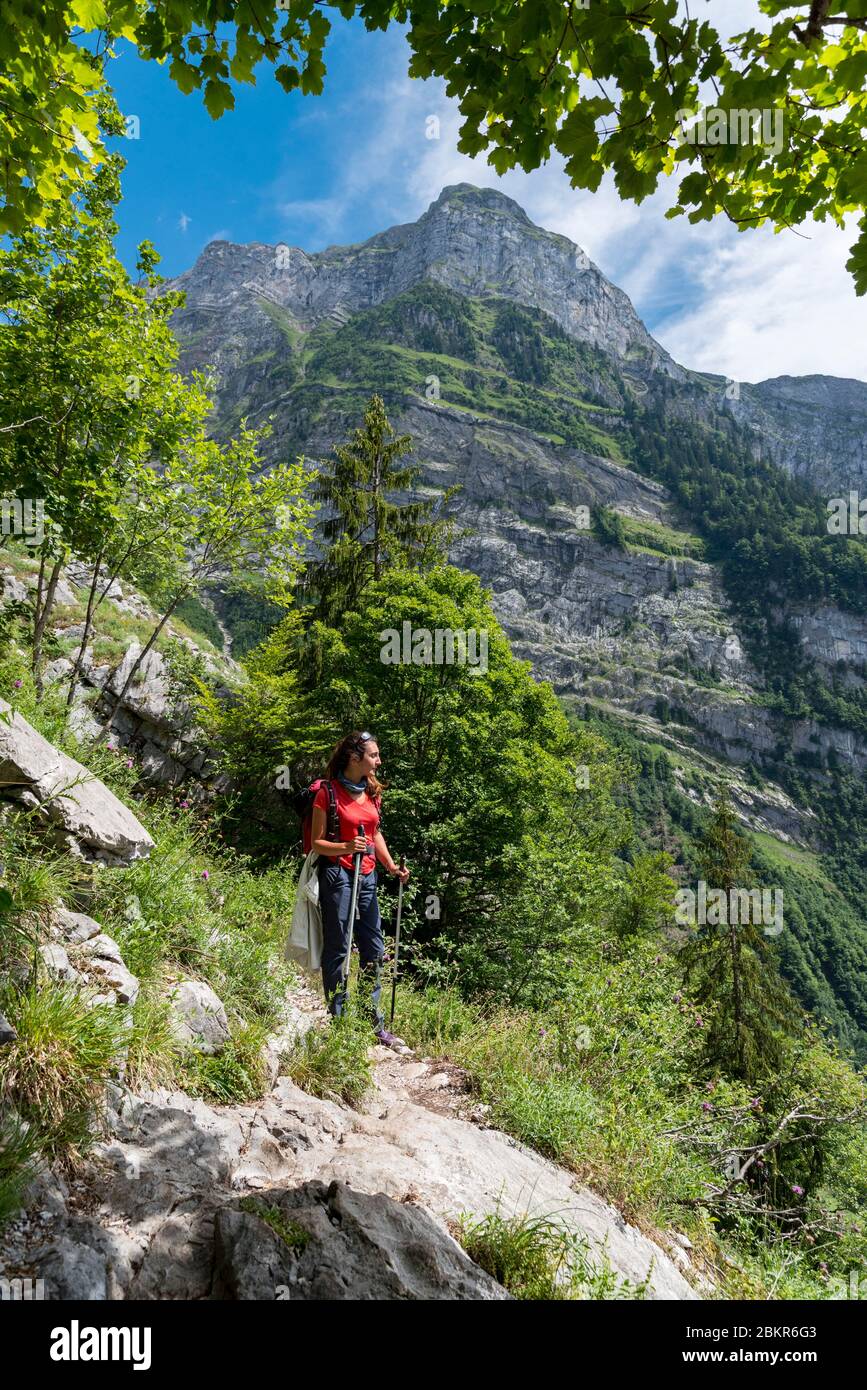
pixel 718 623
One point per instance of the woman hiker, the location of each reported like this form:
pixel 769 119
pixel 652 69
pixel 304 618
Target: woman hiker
pixel 352 772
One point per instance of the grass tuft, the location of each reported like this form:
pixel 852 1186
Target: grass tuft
pixel 536 1257
pixel 332 1062
pixel 289 1231
pixel 19 1154
pixel 56 1070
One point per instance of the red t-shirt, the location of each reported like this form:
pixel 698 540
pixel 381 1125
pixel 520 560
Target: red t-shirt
pixel 351 814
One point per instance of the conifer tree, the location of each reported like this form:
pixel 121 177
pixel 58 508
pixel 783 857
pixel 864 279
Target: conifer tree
pixel 731 970
pixel 365 531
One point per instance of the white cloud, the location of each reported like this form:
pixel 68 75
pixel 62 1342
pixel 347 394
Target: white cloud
pixel 768 305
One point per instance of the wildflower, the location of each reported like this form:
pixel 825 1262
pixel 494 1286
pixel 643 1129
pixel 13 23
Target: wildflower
pixel 18 685
pixel 706 1105
pixel 205 873
pixel 755 1102
pixel 798 1191
pixel 543 1032
pixel 185 805
pixel 129 762
pixel 699 1021
pixel 677 998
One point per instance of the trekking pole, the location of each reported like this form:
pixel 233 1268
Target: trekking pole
pixel 354 899
pixel 397 941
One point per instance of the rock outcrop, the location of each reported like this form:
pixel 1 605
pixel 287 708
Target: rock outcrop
pixel 153 721
pixel 66 795
pixel 199 1018
pixel 318 1242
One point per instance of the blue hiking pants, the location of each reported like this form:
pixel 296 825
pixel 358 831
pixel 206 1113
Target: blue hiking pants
pixel 335 893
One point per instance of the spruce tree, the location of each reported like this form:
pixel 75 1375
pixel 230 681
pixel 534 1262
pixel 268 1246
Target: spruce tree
pixel 364 531
pixel 731 968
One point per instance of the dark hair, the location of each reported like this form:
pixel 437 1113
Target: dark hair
pixel 352 745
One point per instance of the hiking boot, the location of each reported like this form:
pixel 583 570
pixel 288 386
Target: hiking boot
pixel 386 1039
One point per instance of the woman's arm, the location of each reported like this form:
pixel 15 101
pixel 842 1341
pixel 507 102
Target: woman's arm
pixel 385 858
pixel 332 848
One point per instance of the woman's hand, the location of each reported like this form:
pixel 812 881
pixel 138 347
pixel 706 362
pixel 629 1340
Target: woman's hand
pixel 356 846
pixel 402 874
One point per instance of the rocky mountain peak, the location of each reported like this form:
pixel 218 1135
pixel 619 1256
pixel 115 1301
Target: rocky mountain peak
pixel 475 241
pixel 467 196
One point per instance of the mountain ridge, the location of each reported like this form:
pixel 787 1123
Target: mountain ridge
pixel 564 283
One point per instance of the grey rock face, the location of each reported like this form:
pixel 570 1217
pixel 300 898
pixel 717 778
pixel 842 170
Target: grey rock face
pixel 832 637
pixel 76 926
pixel 106 968
pixel 148 695
pixel 177 1167
pixel 57 963
pixel 199 1016
pixel 73 1271
pixel 159 766
pixel 342 1244
pixel 12 590
pixel 71 797
pixel 150 719
pixel 813 426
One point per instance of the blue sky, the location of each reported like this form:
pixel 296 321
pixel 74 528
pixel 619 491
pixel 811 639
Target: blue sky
pixel 313 171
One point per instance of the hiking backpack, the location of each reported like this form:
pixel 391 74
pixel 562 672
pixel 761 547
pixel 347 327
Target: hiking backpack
pixel 302 803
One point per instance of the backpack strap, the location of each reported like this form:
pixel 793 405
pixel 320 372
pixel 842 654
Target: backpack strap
pixel 333 826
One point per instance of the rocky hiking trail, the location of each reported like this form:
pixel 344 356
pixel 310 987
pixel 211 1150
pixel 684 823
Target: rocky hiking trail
pixel 297 1197
pixel 188 1200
